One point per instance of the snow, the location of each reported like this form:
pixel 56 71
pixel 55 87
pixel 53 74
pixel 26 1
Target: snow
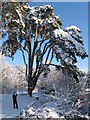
pixel 26 6
pixel 41 108
pixel 7 104
pixel 11 76
pixel 88 90
pixel 44 8
pixel 61 35
pixel 72 28
pixel 44 104
pixel 20 15
pixel 79 47
pixel 54 98
pixel 37 14
pixel 17 21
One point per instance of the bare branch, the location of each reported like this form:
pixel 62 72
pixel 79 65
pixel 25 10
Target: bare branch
pixel 49 50
pixel 34 47
pixel 29 56
pixel 35 35
pixel 24 60
pixel 47 55
pixel 51 57
pixel 39 34
pixel 44 51
pixel 43 40
pixel 54 65
pixel 23 47
pixel 23 56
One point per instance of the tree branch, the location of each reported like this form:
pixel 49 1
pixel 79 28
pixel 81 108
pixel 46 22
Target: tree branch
pixel 35 35
pixel 23 47
pixel 42 40
pixel 54 65
pixel 37 62
pixel 51 57
pixel 24 60
pixel 44 51
pixel 39 33
pixel 47 55
pixel 40 70
pixel 34 47
pixel 49 51
pixel 29 57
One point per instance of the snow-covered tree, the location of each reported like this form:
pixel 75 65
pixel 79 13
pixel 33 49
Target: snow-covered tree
pixel 11 76
pixel 36 31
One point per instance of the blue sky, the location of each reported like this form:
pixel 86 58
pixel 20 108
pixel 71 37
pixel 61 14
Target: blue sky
pixel 70 14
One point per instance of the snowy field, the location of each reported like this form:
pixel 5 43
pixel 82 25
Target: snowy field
pixel 38 100
pixel 7 104
pixel 40 104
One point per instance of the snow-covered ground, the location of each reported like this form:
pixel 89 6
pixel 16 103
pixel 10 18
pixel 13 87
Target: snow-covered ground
pixel 38 100
pixel 40 105
pixel 56 96
pixel 7 104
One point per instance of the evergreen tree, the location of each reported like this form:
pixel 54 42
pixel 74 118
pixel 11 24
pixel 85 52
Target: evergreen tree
pixel 37 32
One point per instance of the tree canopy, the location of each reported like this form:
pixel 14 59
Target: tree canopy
pixel 38 32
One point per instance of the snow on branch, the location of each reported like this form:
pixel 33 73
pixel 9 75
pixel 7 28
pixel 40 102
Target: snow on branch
pixel 72 28
pixel 61 36
pixel 43 15
pixel 74 32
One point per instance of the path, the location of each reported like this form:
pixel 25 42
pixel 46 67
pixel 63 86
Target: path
pixel 7 104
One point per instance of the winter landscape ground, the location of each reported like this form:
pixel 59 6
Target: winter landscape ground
pixel 53 97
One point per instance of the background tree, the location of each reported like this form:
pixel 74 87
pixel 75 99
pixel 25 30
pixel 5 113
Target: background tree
pixel 36 31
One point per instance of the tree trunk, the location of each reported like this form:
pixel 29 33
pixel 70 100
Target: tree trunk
pixel 29 88
pixel 31 85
